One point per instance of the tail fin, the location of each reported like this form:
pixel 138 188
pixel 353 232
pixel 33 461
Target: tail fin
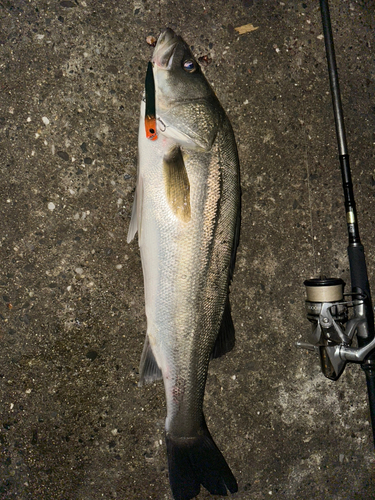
pixel 194 461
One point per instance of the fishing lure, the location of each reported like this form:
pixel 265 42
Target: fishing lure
pixel 150 118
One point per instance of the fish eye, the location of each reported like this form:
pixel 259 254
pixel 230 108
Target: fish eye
pixel 189 66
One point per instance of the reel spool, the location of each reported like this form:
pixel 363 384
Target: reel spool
pixel 325 290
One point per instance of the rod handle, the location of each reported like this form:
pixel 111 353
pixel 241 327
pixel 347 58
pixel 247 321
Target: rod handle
pixel 369 369
pixel 360 284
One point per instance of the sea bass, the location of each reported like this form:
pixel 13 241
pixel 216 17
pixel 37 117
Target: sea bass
pixel 187 214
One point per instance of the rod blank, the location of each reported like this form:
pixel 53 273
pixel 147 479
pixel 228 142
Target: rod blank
pixel 333 78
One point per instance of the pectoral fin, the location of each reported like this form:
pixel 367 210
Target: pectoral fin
pixel 177 186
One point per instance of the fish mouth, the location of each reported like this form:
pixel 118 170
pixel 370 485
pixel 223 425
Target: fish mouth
pixel 165 49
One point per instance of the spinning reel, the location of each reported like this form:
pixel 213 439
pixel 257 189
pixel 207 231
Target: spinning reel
pixel 333 334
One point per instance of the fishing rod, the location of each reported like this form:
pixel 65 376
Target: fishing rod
pixel 338 318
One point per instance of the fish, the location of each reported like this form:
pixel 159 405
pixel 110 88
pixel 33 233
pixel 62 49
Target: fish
pixel 186 211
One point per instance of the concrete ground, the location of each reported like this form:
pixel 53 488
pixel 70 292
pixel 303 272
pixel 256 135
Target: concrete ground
pixel 74 424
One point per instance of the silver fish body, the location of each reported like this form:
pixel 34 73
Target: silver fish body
pixel 187 212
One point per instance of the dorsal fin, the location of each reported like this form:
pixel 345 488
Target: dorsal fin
pixel 177 186
pixel 225 339
pixel 136 219
pixel 133 226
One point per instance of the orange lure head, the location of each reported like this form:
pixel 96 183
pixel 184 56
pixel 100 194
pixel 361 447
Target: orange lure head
pixel 150 126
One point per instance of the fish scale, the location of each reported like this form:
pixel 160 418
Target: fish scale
pixel 186 211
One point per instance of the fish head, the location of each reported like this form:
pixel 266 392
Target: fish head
pixel 185 101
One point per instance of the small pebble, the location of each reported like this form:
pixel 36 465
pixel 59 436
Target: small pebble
pixel 45 120
pixel 51 206
pixel 63 155
pixel 119 266
pixel 79 270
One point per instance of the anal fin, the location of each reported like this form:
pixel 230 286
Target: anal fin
pixel 225 339
pixel 149 370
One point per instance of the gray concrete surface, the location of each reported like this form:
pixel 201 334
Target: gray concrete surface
pixel 74 424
